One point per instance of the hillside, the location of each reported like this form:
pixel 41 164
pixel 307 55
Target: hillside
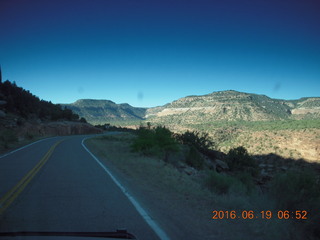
pixel 15 100
pixel 288 128
pixel 23 116
pixel 105 111
pixel 233 106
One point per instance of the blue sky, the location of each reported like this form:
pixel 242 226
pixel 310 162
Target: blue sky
pixel 148 53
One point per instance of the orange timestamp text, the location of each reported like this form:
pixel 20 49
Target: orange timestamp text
pixel 250 214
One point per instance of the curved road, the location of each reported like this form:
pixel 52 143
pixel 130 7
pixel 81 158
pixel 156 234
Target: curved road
pixel 56 185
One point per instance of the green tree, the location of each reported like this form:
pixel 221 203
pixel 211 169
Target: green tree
pixel 194 158
pixel 156 141
pixel 144 142
pixel 199 140
pixel 238 159
pixel 83 120
pixel 165 141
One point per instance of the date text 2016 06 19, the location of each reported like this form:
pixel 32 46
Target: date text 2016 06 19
pixel 250 214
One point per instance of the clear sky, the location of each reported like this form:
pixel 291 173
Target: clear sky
pixel 148 53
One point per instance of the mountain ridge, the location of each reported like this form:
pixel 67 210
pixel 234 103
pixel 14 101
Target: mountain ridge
pixel 229 105
pixel 232 105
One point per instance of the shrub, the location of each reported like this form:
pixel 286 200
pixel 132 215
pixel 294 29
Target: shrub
pixel 157 141
pixel 238 159
pixel 29 136
pixel 194 158
pixel 83 120
pixel 222 184
pixel 201 141
pixel 239 184
pixel 164 138
pixel 247 180
pixel 295 190
pixel 7 137
pixel 145 141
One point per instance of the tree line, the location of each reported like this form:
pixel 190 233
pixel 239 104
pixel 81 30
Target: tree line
pixel 23 103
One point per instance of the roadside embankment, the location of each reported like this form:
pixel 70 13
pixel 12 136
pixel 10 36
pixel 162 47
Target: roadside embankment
pixel 183 205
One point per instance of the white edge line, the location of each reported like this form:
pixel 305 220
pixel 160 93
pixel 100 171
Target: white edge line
pixel 161 234
pixel 9 153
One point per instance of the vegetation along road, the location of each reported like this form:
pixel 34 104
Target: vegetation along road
pixel 56 184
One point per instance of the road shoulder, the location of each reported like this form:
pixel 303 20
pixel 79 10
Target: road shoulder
pixel 177 203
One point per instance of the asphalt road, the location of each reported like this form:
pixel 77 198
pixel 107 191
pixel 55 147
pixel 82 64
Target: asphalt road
pixel 56 185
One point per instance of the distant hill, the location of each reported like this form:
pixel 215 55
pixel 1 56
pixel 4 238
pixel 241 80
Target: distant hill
pixel 232 105
pixel 105 111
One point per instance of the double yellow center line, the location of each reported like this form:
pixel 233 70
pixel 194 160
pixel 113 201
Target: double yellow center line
pixel 11 195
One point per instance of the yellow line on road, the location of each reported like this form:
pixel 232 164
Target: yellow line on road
pixel 11 195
